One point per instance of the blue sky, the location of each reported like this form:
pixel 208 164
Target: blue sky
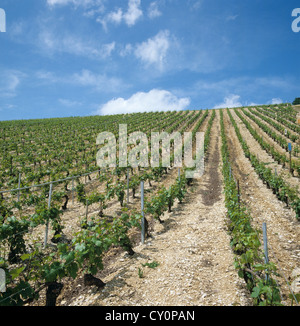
pixel 61 58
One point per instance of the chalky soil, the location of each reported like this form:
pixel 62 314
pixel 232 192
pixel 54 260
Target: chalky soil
pixel 192 248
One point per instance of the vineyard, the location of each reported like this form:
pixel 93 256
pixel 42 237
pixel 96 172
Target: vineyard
pixel 72 233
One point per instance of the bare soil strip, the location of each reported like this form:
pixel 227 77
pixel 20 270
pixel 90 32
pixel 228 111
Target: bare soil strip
pixel 192 246
pixel 283 228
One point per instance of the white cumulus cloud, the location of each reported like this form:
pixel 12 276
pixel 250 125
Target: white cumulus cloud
pixel 276 101
pixel 153 10
pixel 154 100
pixel 231 101
pixel 130 17
pixel 133 13
pixel 154 50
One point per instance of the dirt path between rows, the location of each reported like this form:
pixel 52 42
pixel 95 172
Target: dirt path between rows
pixel 282 225
pixel 192 249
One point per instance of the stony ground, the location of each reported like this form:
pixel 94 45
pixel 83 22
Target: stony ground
pixel 282 226
pixel 190 252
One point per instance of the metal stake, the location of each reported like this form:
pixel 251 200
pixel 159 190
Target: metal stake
pixel 265 238
pixel 143 214
pixel 47 224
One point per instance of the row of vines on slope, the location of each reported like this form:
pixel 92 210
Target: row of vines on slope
pixel 30 268
pixel 281 157
pixel 279 186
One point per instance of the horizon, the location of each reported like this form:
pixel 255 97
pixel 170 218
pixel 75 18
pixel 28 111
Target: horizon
pixel 132 113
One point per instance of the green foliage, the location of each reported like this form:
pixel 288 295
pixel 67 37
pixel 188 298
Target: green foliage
pixel 120 192
pixel 12 231
pixel 53 149
pixel 157 205
pixel 45 150
pixel 44 215
pixel 296 207
pixel 244 239
pixel 134 183
pixel 81 193
pixel 164 200
pixel 296 101
pixel 153 264
pixel 283 191
pixel 266 293
pixel 180 188
pixel 140 273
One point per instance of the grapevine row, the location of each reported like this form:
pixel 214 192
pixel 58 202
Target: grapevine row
pixel 280 188
pixel 249 260
pixel 30 268
pixel 278 157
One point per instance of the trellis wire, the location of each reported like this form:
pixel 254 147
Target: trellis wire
pixel 49 183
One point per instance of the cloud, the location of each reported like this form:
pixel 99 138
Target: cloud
pixel 115 16
pixel 231 17
pixel 69 103
pixel 9 82
pixel 252 104
pixel 195 5
pixel 47 76
pixel 7 107
pixel 153 11
pixel 130 17
pixel 126 50
pixel 59 2
pixel 133 13
pixel 85 78
pixel 154 50
pixel 231 101
pixel 51 43
pixel 76 3
pixel 276 101
pixel 154 100
pixel 248 88
pixel 90 7
pixel 107 49
pixel 98 82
